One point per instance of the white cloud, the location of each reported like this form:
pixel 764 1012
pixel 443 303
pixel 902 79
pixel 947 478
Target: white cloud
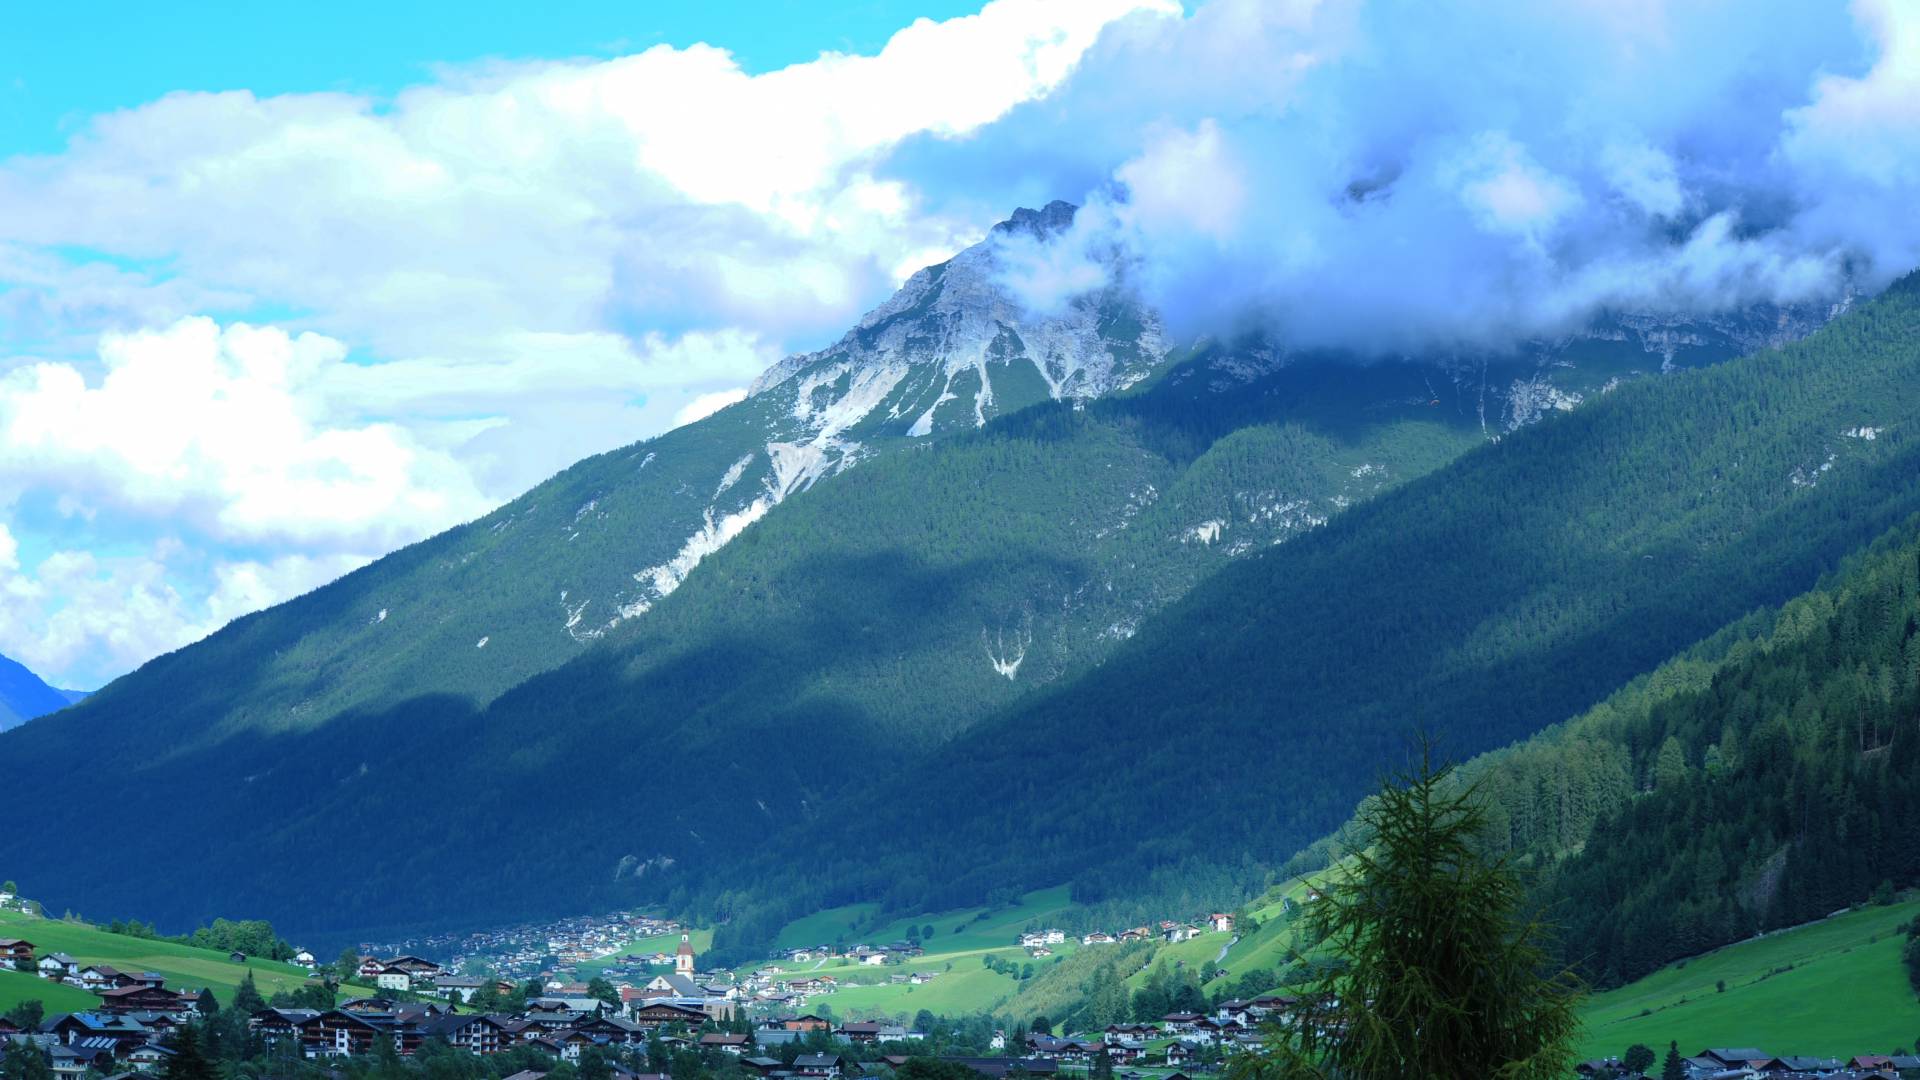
pixel 217 429
pixel 705 405
pixel 1363 174
pixel 668 187
pixel 78 619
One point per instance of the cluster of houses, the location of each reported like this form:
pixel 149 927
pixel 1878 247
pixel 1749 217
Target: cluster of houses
pixel 124 1034
pixel 1751 1063
pixel 519 952
pixel 1040 942
pixel 119 991
pixel 1177 1040
pixel 867 955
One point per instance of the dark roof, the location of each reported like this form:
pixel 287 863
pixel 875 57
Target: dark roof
pixel 1001 1066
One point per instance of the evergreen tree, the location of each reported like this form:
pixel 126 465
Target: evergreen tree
pixel 1443 970
pixel 1638 1059
pixel 188 1061
pixel 24 1061
pixel 1674 1068
pixel 247 999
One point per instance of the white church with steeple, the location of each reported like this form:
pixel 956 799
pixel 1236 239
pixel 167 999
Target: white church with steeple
pixel 683 960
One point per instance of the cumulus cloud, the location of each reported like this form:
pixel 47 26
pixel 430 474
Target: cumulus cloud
pixel 706 405
pixel 79 618
pixel 1389 176
pixel 219 429
pixel 664 191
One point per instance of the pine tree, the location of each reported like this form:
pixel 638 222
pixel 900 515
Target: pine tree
pixel 247 999
pixel 1673 1068
pixel 188 1062
pixel 1440 972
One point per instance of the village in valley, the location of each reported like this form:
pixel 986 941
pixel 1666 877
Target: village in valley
pixel 624 997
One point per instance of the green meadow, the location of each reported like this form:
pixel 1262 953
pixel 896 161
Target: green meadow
pixel 185 967
pixel 1831 988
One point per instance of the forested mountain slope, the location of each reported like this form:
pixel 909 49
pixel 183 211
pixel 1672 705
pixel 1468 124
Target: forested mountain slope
pixel 24 696
pixel 734 626
pixel 1512 588
pixel 1762 778
pixel 481 607
pixel 869 621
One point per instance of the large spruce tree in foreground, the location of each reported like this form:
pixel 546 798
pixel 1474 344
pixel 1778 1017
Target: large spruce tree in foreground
pixel 1438 971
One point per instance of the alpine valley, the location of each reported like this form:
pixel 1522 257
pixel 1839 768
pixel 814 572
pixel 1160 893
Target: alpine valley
pixel 975 602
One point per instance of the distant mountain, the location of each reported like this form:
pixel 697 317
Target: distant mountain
pixel 23 696
pixel 755 621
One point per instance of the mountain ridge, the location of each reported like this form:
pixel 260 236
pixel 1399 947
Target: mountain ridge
pixel 25 696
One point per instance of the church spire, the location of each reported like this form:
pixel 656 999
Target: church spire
pixel 683 961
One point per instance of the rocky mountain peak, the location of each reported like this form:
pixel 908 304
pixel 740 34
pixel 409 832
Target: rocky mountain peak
pixel 1042 224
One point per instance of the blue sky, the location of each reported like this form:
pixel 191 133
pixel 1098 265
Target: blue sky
pixel 66 62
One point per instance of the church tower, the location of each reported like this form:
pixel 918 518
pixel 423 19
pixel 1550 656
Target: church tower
pixel 683 961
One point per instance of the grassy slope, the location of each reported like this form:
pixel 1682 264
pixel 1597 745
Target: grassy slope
pixel 960 941
pixel 185 967
pixel 1831 988
pixel 961 938
pixel 953 931
pixel 18 986
pixel 700 939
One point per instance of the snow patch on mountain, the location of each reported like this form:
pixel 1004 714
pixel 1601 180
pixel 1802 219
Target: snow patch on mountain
pixel 1530 399
pixel 712 536
pixel 1207 532
pixel 733 475
pixel 1007 656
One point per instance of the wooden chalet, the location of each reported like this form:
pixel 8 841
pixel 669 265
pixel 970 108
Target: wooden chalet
pixel 476 1034
pixel 15 953
pixel 825 1066
pixel 657 1014
pixel 725 1042
pixel 995 1067
pixel 277 1027
pixel 612 1029
pixel 140 996
pixel 337 1031
pixel 148 1057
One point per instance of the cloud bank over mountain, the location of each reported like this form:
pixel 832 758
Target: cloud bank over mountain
pixel 1390 176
